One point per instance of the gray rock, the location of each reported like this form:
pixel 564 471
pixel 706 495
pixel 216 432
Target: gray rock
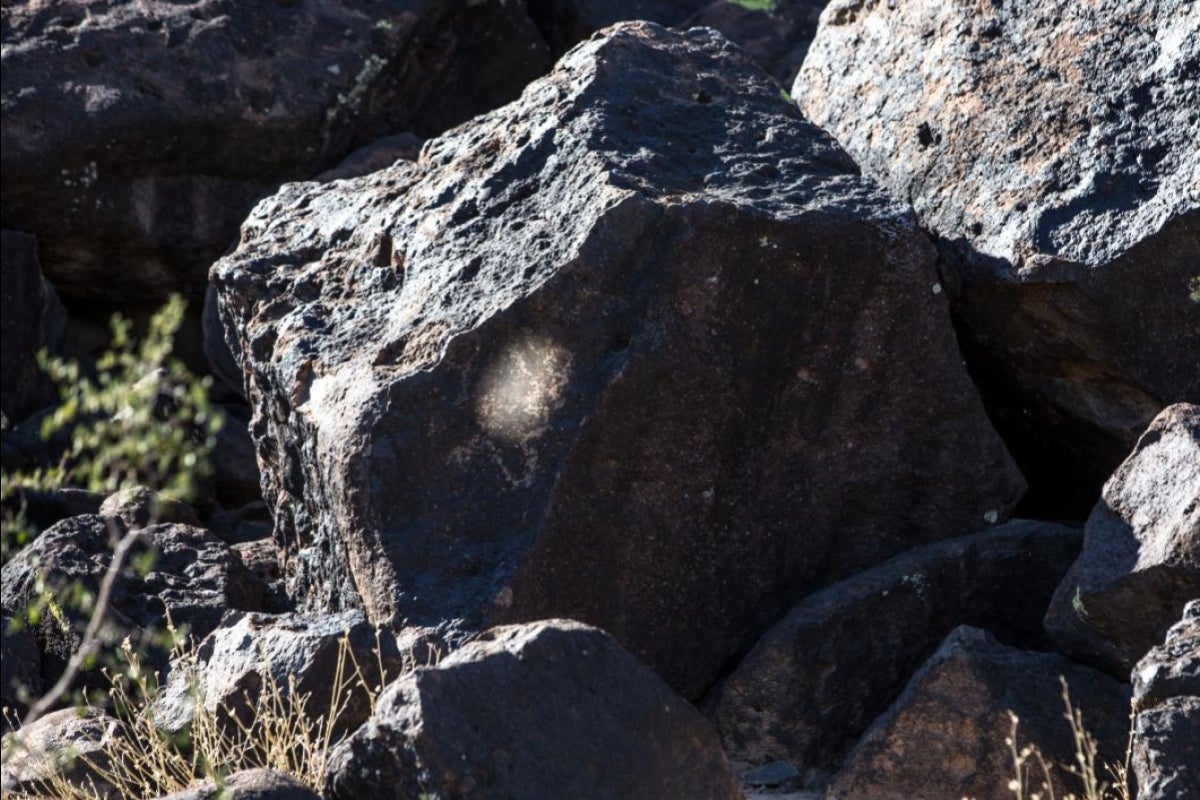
pixel 20 670
pixel 250 784
pixel 1051 147
pixel 1166 696
pixel 821 675
pixel 718 374
pixel 1166 750
pixel 377 155
pixel 945 735
pixel 235 478
pixel 1141 551
pixel 70 743
pixel 298 653
pixel 139 507
pixel 551 709
pixel 193 576
pixel 262 557
pixel 189 114
pixel 222 361
pixel 33 320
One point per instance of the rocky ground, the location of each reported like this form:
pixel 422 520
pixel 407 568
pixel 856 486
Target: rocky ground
pixel 649 398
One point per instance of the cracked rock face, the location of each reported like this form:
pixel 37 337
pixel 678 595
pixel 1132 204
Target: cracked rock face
pixel 136 136
pixel 640 349
pixel 1052 148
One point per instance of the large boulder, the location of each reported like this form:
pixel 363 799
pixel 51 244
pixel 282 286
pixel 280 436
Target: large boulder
pixel 135 138
pixel 173 570
pixel 1166 697
pixel 718 373
pixel 68 746
pixel 822 674
pixel 32 320
pixel 1141 551
pixel 324 659
pixel 551 709
pixel 945 736
pixel 1052 149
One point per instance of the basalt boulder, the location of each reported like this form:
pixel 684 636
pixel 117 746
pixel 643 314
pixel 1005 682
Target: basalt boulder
pixel 137 137
pixel 821 675
pixel 640 349
pixel 172 569
pixel 1141 551
pixel 945 736
pixel 551 709
pixel 1051 148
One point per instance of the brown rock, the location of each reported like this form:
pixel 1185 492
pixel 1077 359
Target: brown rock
pixel 1141 551
pixel 551 709
pixel 718 378
pixel 70 743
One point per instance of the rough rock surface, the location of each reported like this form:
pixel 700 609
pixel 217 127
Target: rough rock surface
pixel 251 784
pixel 137 136
pixel 20 669
pixel 821 675
pixel 1052 147
pixel 61 742
pixel 235 661
pixel 139 506
pixel 776 37
pixel 945 735
pixel 235 478
pixel 33 319
pixel 263 559
pixel 550 709
pixel 1166 696
pixel 717 373
pixel 194 577
pixel 1141 553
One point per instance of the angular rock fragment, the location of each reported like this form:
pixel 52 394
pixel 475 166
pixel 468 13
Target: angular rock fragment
pixel 193 577
pixel 1166 696
pixel 1141 553
pixel 822 674
pixel 33 319
pixel 550 709
pixel 716 373
pixel 322 658
pixel 945 735
pixel 1051 147
pixel 135 138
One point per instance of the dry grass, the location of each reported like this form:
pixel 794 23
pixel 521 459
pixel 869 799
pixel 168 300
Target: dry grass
pixel 141 761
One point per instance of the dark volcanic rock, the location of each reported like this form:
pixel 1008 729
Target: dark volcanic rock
pixel 551 709
pixel 221 360
pixel 139 506
pixel 251 784
pixel 20 669
pixel 64 743
pixel 135 138
pixel 718 373
pixel 43 508
pixel 1052 147
pixel 777 38
pixel 235 478
pixel 818 678
pixel 194 577
pixel 235 661
pixel 263 559
pixel 1166 695
pixel 32 319
pixel 1141 551
pixel 945 735
pixel 565 22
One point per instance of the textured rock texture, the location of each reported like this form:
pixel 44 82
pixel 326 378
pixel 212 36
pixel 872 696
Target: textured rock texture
pixel 194 577
pixel 717 373
pixel 63 743
pixel 234 663
pixel 33 319
pixel 1141 554
pixel 1166 696
pixel 137 136
pixel 551 709
pixel 944 737
pixel 1052 147
pixel 251 784
pixel 776 37
pixel 821 675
